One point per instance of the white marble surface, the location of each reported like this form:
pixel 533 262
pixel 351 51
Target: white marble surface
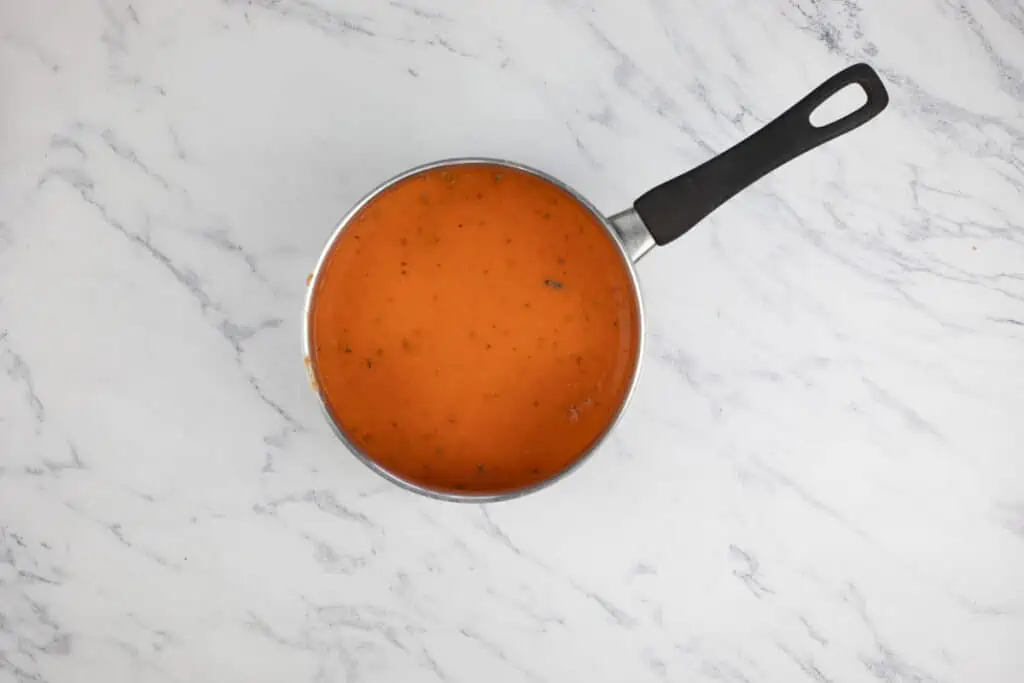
pixel 821 475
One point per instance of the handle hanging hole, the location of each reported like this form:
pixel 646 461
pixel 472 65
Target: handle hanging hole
pixel 843 103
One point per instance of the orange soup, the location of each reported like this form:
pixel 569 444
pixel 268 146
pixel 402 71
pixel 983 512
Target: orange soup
pixel 474 329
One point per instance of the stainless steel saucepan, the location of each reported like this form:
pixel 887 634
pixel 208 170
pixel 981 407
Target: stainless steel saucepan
pixel 658 217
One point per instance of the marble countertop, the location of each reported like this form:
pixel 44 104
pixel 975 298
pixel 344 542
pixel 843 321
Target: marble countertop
pixel 820 477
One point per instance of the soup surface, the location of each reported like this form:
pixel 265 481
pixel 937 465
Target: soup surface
pixel 474 329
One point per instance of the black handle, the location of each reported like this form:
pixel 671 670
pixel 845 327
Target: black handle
pixel 673 207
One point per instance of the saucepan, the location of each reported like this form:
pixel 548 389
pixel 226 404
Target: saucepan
pixel 474 327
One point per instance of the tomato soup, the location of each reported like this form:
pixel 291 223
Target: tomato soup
pixel 474 329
